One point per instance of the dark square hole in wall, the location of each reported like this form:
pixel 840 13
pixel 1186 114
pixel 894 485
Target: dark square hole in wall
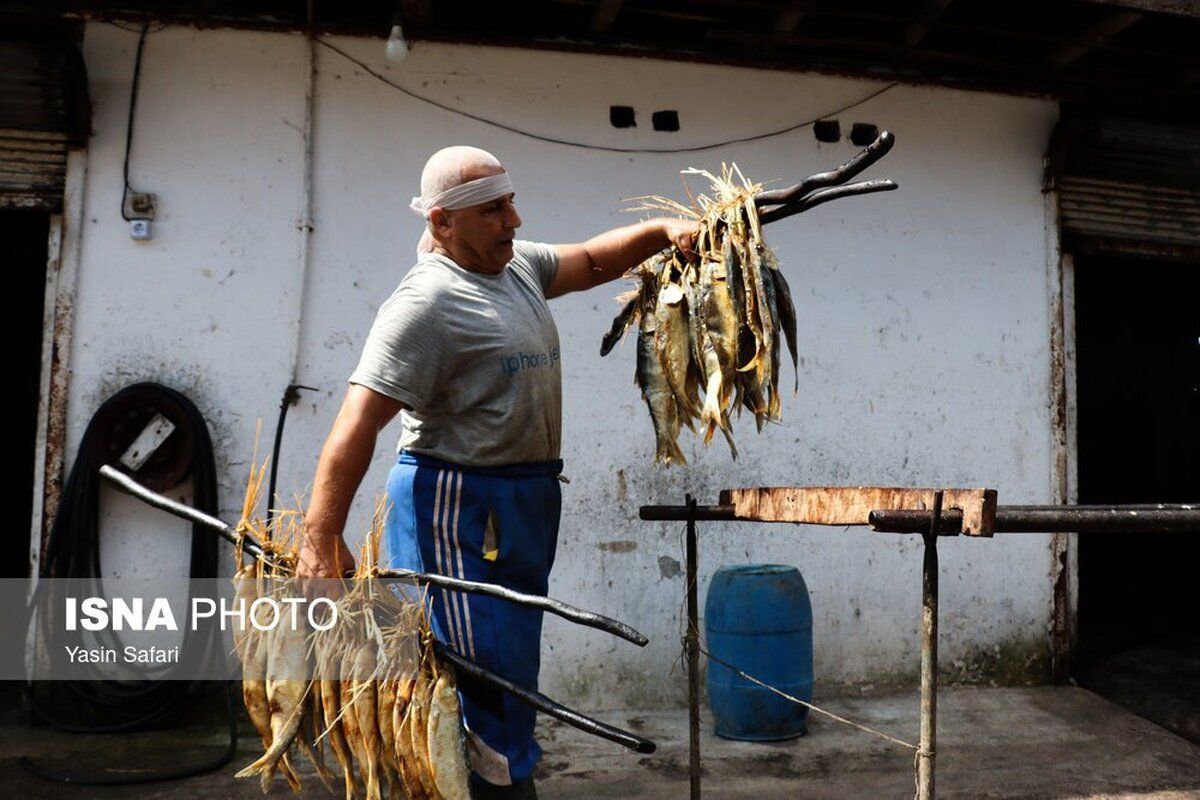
pixel 827 130
pixel 665 120
pixel 622 117
pixel 863 133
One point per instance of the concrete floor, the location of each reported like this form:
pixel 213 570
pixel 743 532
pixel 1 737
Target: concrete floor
pixel 995 743
pixel 1158 680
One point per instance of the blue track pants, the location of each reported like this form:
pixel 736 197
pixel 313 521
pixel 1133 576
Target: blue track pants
pixel 492 524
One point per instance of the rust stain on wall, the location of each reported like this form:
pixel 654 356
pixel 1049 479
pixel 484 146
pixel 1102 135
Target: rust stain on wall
pixel 618 546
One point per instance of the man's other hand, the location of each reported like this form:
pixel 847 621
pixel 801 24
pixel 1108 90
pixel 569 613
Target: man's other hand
pixel 682 233
pixel 323 560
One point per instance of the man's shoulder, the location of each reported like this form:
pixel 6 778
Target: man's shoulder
pixel 537 259
pixel 419 289
pixel 532 252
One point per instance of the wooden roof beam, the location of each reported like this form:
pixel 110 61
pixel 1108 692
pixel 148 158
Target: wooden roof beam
pixel 605 15
pixel 1094 37
pixel 790 16
pixel 924 21
pixel 416 13
pixel 1178 8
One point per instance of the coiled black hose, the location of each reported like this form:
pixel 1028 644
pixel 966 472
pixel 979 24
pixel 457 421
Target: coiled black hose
pixel 88 705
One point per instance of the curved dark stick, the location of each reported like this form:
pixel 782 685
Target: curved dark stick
pixel 868 156
pixel 251 546
pixel 545 704
pixel 567 612
pixel 149 497
pixel 824 196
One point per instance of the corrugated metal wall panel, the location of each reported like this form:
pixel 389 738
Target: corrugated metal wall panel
pixel 43 111
pixel 43 87
pixel 1127 186
pixel 33 169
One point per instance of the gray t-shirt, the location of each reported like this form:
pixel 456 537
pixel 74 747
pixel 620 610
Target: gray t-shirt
pixel 473 357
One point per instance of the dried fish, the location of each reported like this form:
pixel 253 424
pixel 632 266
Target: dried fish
pixel 447 746
pixel 709 330
pixel 368 683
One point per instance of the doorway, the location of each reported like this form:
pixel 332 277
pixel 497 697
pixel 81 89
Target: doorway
pixel 25 236
pixel 1137 325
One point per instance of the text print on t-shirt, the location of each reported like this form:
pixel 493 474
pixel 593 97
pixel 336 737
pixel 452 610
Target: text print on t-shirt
pixel 514 364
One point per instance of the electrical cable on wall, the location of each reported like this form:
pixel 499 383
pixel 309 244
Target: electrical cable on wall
pixel 133 95
pixel 584 145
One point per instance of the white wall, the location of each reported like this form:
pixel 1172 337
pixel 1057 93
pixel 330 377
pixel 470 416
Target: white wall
pixel 923 314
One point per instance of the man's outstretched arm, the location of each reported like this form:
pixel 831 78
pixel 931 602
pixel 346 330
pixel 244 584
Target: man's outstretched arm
pixel 611 254
pixel 343 463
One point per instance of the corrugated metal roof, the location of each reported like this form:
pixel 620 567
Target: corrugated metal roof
pixel 33 169
pixel 43 87
pixel 1128 185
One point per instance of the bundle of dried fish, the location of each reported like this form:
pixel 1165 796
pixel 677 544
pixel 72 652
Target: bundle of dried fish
pixel 367 682
pixel 709 330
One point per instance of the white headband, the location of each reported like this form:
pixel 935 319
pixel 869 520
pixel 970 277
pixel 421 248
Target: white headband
pixel 465 195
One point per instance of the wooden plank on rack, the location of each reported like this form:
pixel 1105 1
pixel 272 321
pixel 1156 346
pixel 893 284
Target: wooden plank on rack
pixel 851 505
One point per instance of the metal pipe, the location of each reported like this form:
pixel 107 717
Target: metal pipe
pixel 1146 518
pixel 684 513
pixel 692 646
pixel 291 395
pixel 251 546
pixel 545 704
pixel 929 636
pixel 1157 518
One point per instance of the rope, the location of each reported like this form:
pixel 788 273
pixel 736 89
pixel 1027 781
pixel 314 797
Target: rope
pixel 809 706
pixel 918 753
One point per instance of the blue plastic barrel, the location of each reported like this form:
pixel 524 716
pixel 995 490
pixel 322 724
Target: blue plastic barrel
pixel 759 619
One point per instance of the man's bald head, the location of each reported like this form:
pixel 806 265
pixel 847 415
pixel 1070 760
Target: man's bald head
pixel 467 202
pixel 454 166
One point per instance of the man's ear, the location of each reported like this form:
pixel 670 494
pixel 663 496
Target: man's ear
pixel 439 220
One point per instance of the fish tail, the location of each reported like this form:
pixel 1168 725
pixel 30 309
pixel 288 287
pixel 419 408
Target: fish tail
pixel 289 773
pixel 323 773
pixel 266 763
pixel 372 781
pixel 264 766
pixel 725 429
pixel 668 452
pixel 710 415
pixel 775 408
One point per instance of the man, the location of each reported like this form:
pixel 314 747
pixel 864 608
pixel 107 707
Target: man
pixel 467 348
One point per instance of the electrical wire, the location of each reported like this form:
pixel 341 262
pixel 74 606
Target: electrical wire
pixel 160 27
pixel 584 145
pixel 133 95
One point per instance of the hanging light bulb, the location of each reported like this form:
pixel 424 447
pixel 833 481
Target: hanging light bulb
pixel 397 45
